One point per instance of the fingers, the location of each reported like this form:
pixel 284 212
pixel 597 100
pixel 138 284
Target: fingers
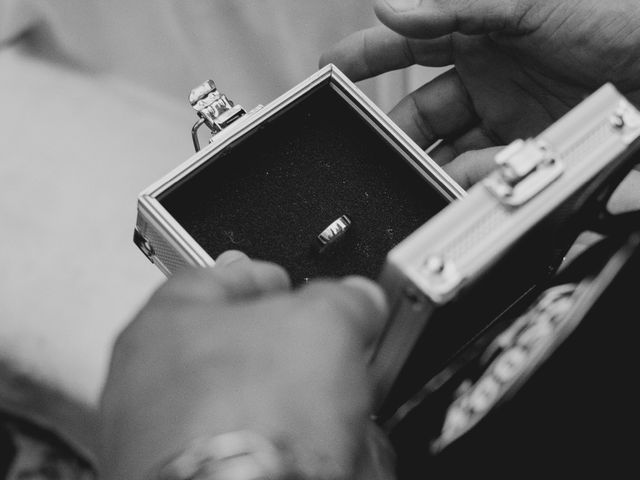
pixel 441 108
pixel 470 167
pixel 241 277
pixel 434 18
pixel 368 290
pixel 474 139
pixel 234 276
pixel 376 50
pixel 356 302
pixel 229 257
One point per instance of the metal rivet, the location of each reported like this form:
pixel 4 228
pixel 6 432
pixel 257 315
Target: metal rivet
pixel 617 121
pixel 434 265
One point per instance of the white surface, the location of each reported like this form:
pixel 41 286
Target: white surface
pixel 71 166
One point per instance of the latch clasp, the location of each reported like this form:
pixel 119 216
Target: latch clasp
pixel 215 110
pixel 526 168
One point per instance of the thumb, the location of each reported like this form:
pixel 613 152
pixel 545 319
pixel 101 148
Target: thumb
pixel 470 167
pixel 435 18
pixel 358 303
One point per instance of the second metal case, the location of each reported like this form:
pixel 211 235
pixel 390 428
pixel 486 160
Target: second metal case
pixel 465 266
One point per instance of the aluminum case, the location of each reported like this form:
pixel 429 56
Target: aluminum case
pixel 473 260
pixel 170 247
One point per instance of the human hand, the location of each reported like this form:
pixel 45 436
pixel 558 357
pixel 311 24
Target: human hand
pixel 232 348
pixel 519 65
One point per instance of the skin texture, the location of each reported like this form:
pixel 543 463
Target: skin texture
pixel 232 347
pixel 518 65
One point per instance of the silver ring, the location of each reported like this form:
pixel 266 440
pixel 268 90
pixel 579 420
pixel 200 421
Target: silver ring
pixel 334 231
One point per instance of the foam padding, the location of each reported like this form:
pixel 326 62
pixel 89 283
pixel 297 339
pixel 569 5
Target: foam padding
pixel 273 192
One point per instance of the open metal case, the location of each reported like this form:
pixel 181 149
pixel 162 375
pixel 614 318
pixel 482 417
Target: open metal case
pixel 272 179
pixel 276 176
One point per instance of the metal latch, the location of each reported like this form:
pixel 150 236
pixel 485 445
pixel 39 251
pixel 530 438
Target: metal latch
pixel 526 168
pixel 215 110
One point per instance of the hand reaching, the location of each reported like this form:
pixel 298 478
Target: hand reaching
pixel 233 348
pixel 518 65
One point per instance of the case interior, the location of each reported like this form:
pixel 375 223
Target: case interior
pixel 273 191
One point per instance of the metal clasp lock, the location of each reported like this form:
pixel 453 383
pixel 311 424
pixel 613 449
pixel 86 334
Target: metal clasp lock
pixel 215 110
pixel 526 168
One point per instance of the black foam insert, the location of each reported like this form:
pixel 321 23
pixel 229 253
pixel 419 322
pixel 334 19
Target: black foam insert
pixel 271 193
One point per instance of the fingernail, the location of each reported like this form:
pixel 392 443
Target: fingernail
pixel 229 257
pixel 403 5
pixel 372 289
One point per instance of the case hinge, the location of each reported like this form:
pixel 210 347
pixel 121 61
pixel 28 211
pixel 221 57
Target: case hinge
pixel 525 169
pixel 144 245
pixel 215 110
